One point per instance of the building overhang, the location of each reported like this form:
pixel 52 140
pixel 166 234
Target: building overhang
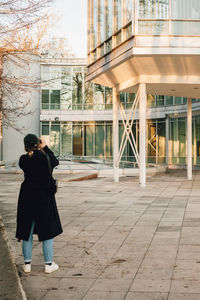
pixel 168 65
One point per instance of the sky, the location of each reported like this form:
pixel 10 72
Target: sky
pixel 72 24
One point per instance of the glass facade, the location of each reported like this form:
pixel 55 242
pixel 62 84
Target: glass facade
pixel 118 21
pixel 94 139
pixel 91 139
pixel 75 93
pixel 65 88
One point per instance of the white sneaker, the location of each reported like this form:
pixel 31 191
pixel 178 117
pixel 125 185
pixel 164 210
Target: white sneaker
pixel 51 268
pixel 27 268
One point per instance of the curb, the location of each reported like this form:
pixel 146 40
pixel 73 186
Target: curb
pixel 5 237
pixel 86 177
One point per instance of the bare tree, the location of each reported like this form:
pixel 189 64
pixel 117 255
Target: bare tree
pixel 23 28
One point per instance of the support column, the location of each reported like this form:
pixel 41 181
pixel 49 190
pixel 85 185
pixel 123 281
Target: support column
pixel 142 133
pixel 115 137
pixel 189 138
pixel 167 140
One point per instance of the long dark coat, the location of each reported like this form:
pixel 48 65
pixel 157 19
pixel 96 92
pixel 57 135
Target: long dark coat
pixel 36 202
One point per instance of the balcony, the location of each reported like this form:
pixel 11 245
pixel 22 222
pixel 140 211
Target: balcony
pixel 159 46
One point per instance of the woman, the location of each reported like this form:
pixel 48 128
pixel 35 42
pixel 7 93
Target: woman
pixel 37 211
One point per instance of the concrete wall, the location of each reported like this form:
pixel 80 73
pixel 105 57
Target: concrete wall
pixel 27 70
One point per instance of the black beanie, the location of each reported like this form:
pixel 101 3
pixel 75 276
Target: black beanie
pixel 31 140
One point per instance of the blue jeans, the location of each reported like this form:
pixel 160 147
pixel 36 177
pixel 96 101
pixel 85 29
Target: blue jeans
pixel 46 245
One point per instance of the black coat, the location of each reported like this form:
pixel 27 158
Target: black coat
pixel 36 202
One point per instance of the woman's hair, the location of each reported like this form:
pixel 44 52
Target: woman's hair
pixel 31 149
pixel 31 142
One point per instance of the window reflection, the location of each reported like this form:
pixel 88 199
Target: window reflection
pixel 186 9
pixel 95 22
pixel 66 88
pixel 77 84
pixel 102 18
pixel 128 11
pixel 118 12
pixel 99 97
pixel 109 18
pixel 154 9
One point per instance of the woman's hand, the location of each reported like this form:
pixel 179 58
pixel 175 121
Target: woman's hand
pixel 30 153
pixel 42 144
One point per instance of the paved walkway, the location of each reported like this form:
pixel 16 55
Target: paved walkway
pixel 120 242
pixel 10 287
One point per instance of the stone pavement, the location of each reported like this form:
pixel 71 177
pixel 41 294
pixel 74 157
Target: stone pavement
pixel 10 288
pixel 120 241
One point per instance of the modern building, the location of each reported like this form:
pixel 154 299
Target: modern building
pixel 130 103
pixel 149 47
pixel 76 117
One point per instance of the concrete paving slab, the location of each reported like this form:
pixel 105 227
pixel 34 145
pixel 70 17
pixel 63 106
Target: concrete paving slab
pixel 119 241
pixel 146 296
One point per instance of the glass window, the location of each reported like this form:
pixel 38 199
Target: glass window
pixel 77 90
pixel 178 100
pixel 130 97
pixel 45 128
pixel 197 130
pixel 169 100
pixel 109 18
pixel 161 142
pixel 66 139
pixel 118 38
pixel 118 14
pixel 99 97
pixel 88 95
pixel 45 99
pixel 153 27
pixel 159 100
pixel 128 10
pixel 151 100
pixel 45 132
pixel 128 31
pixel 108 153
pixel 153 9
pixel 130 153
pixel 152 142
pixel 66 88
pixel 122 97
pixel 102 50
pixel 108 98
pixel 95 22
pixel 109 45
pixel 55 138
pixel 77 140
pixel 184 27
pixel 55 99
pixel 186 9
pixel 89 139
pixel 182 140
pixel 121 131
pixel 99 140
pixel 184 100
pixel 174 141
pixel 102 18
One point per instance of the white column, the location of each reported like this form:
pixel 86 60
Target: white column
pixel 189 138
pixel 115 137
pixel 167 139
pixel 142 133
